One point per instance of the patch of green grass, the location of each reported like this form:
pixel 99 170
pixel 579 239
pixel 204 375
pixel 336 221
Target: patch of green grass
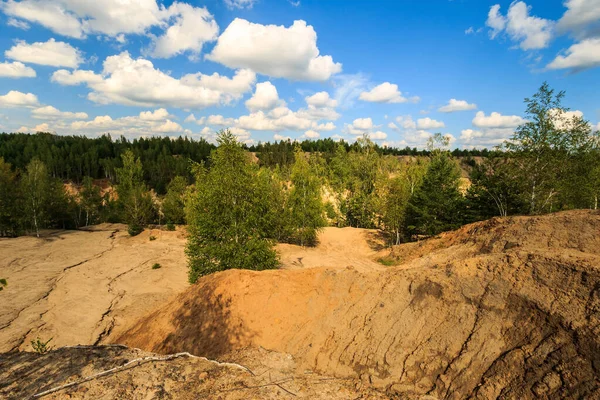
pixel 156 266
pixel 387 261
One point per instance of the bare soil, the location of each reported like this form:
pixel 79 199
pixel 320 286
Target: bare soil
pixel 506 308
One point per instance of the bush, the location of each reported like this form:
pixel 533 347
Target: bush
pixel 156 266
pixel 41 347
pixel 170 226
pixel 152 238
pixel 2 284
pixel 134 229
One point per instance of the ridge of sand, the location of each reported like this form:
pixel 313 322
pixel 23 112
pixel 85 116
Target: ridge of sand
pixel 506 307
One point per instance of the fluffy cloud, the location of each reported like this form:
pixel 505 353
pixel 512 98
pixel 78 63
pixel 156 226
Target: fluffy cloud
pixel 125 81
pixel 582 18
pixel 16 70
pixel 52 53
pixel 529 31
pixel 49 112
pixel 192 27
pixel 217 120
pixel 360 126
pixel 265 98
pixel 38 128
pixel 386 93
pixel 310 134
pixel 275 51
pixel 239 3
pixel 428 123
pixel 457 105
pixel 156 115
pixel 321 100
pixel 579 56
pixel 49 13
pixel 147 123
pixel 18 99
pixel 485 137
pixel 73 78
pixel 186 28
pixel 496 120
pixel 406 122
pixel 379 135
pixel 76 18
pixel 282 118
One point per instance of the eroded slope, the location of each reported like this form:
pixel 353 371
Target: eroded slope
pixel 504 308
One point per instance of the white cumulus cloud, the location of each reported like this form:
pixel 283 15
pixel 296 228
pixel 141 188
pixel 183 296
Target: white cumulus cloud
pixel 265 98
pixel 16 70
pixel 428 123
pixel 457 105
pixel 125 80
pixel 529 31
pixel 275 51
pixel 386 93
pixel 191 28
pixel 579 56
pixel 52 53
pixel 50 112
pixel 18 99
pixel 496 120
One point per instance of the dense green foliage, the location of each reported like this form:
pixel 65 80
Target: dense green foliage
pixel 305 200
pixel 229 222
pixel 75 157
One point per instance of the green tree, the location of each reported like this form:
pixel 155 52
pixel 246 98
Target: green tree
pixel 228 223
pixel 173 204
pixel 36 187
pixel 544 147
pixel 134 199
pixel 9 199
pixel 437 205
pixel 305 200
pixel 90 201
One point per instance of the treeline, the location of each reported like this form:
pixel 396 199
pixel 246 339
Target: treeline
pixel 236 209
pixel 72 158
pixel 282 152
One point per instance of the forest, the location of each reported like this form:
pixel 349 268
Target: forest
pixel 237 206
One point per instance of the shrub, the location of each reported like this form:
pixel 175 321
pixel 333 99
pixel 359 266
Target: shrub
pixel 134 229
pixel 152 238
pixel 170 226
pixel 3 283
pixel 156 266
pixel 41 347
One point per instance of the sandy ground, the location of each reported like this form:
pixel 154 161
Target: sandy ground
pixel 81 287
pixel 337 248
pixel 87 286
pixel 506 308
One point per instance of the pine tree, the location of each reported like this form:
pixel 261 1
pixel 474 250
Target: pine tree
pixel 305 200
pixel 437 205
pixel 134 199
pixel 228 222
pixel 9 199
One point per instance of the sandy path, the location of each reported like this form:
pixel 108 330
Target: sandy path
pixel 84 286
pixel 337 248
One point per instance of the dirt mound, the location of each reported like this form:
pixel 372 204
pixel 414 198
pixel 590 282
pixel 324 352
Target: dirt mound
pixel 505 308
pixel 82 287
pixel 116 372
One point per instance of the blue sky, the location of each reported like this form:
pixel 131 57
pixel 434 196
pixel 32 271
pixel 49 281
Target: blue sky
pixel 271 69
